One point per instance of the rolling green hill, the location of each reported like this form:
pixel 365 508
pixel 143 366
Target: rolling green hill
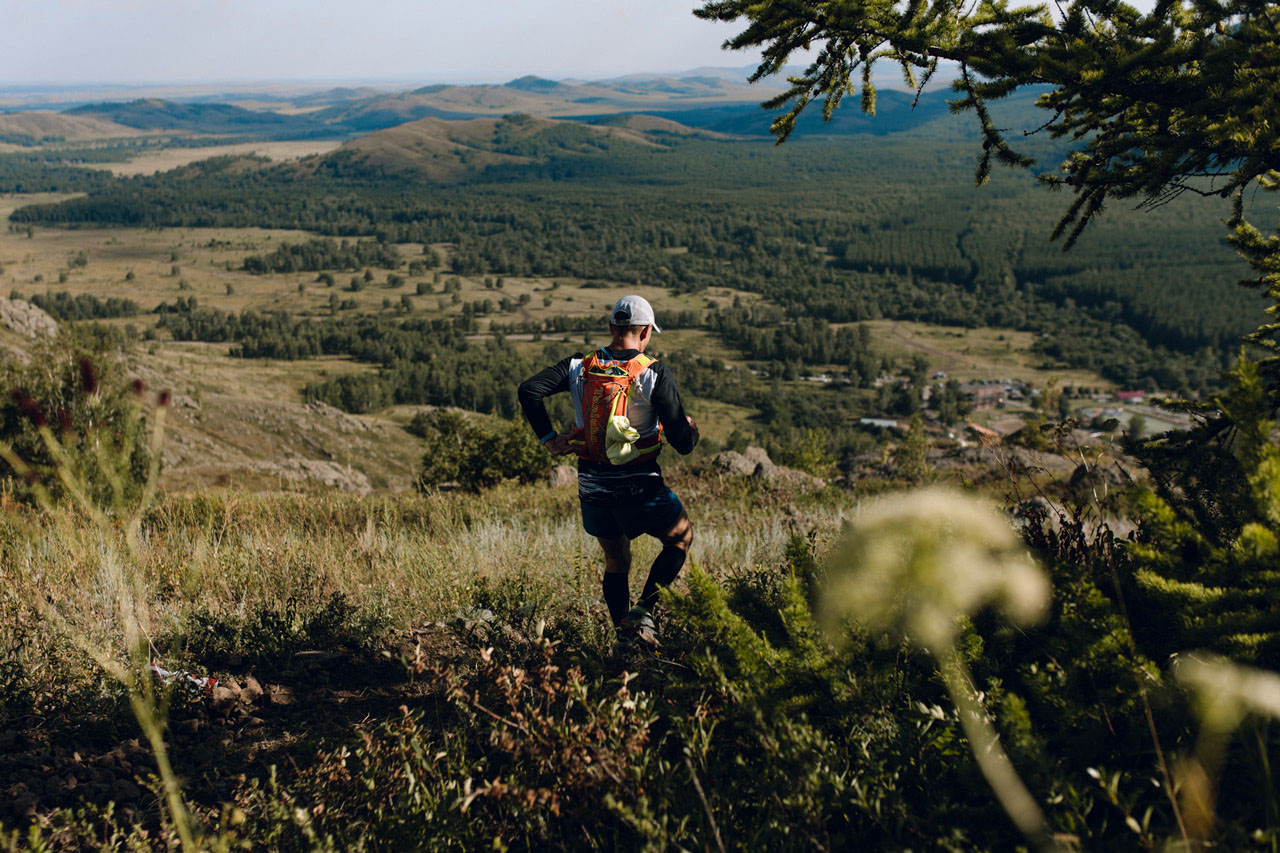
pixel 219 119
pixel 39 126
pixel 452 151
pixel 538 96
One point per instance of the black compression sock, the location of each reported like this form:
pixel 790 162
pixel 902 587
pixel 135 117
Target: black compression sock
pixel 661 574
pixel 617 595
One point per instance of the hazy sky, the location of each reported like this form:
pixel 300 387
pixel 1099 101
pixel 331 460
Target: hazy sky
pixel 152 41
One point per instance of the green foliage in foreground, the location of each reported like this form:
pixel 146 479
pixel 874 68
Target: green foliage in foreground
pixel 73 424
pixel 755 728
pixel 1208 557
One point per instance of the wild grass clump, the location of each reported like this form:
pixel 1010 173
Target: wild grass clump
pixel 267 635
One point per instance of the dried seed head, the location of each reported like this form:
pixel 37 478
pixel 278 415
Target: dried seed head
pixel 23 399
pixel 63 416
pixel 139 387
pixel 164 398
pixel 88 376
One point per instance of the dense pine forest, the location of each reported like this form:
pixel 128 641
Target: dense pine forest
pixel 856 228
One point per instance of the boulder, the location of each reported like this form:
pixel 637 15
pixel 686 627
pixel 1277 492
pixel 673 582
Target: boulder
pixel 317 659
pixel 329 474
pixel 788 477
pixel 755 462
pixel 733 463
pixel 225 696
pixel 124 791
pixel 252 690
pixel 27 320
pixel 562 476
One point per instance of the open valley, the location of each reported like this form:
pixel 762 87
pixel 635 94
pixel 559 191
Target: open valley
pixel 438 437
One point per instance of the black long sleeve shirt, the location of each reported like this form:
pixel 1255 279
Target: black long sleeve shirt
pixel 600 482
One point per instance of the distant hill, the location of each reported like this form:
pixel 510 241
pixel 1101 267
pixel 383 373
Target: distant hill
pixel 529 83
pixel 655 126
pixel 705 102
pixel 446 152
pixel 896 112
pixel 215 119
pixel 32 128
pixel 539 96
pixel 337 95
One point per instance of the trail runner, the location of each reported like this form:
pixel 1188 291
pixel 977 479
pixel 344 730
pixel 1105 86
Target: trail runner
pixel 625 405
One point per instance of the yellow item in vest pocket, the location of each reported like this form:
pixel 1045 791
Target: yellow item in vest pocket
pixel 620 440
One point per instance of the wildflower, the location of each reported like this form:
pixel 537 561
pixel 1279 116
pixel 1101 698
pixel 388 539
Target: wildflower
pixel 916 563
pixel 1225 692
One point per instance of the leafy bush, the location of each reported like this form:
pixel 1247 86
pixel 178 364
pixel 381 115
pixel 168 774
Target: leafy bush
pixel 1204 571
pixel 477 456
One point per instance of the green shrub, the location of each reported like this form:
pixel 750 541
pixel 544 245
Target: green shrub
pixel 269 633
pixel 476 456
pixel 1204 571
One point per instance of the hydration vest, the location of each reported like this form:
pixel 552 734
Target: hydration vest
pixel 606 434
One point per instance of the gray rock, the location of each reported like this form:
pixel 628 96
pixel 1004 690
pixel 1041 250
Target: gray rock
pixel 317 659
pixel 252 690
pixel 225 696
pixel 732 463
pixel 788 477
pixel 27 320
pixel 755 462
pixel 562 476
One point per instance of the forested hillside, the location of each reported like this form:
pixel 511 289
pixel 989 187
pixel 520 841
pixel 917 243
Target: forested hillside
pixel 851 229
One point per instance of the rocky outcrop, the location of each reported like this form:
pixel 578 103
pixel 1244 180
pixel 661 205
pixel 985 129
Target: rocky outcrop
pixel 318 471
pixel 755 462
pixel 732 463
pixel 27 320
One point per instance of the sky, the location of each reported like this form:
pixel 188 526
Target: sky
pixel 178 41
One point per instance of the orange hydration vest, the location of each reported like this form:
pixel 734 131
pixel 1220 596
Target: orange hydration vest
pixel 606 434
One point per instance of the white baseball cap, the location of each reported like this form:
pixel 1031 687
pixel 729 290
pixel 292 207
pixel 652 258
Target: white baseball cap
pixel 633 311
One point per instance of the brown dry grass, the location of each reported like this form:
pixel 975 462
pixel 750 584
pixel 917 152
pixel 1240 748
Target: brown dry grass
pixel 968 354
pixel 164 159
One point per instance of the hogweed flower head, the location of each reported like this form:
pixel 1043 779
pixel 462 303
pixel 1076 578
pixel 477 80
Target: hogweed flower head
pixel 1224 692
pixel 916 563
